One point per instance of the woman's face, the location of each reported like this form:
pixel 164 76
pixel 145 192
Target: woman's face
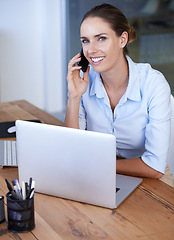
pixel 101 46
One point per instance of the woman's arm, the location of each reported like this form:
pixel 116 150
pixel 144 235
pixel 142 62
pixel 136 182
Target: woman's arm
pixel 136 167
pixel 157 133
pixel 77 86
pixel 72 113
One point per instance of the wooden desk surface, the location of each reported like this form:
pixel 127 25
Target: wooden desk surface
pixel 148 213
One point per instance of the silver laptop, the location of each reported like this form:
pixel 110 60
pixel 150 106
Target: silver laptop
pixel 72 164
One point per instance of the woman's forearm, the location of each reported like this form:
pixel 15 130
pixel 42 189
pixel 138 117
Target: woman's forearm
pixel 72 113
pixel 136 167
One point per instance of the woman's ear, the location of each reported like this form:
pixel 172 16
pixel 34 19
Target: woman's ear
pixel 123 39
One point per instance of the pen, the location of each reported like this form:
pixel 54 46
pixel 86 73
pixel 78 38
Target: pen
pixel 17 184
pixel 12 192
pixel 23 190
pixel 18 188
pixel 32 187
pixel 30 194
pixel 27 187
pixel 18 193
pixel 9 186
pixel 30 182
pixel 33 184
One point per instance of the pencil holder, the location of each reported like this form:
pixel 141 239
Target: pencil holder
pixel 20 214
pixel 2 213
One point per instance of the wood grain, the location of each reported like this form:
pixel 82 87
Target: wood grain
pixel 38 113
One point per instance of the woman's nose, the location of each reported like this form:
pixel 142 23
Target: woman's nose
pixel 92 48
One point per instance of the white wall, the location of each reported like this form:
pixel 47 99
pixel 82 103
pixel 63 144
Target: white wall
pixel 31 52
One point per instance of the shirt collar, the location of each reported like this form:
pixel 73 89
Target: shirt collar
pixel 133 89
pixel 97 87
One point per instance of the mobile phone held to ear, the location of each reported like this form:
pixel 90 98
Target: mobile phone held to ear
pixel 84 62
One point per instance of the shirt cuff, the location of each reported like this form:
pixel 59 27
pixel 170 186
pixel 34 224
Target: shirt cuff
pixel 159 164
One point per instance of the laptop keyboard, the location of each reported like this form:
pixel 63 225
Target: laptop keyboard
pixel 10 158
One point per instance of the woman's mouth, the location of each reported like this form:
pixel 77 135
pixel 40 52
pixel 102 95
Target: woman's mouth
pixel 96 60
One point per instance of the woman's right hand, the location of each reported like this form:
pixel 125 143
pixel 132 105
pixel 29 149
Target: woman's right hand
pixel 77 86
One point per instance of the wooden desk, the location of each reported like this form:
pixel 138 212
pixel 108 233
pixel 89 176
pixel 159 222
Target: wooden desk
pixel 148 213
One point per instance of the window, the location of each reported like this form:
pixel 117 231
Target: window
pixel 153 21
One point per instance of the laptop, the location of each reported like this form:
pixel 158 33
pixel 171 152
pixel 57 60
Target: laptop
pixel 73 164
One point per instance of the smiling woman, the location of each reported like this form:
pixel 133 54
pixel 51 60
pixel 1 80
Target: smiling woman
pixel 120 97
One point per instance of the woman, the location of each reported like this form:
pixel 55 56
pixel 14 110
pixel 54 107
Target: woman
pixel 117 96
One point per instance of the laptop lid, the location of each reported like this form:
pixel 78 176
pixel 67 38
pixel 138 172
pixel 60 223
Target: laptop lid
pixel 69 163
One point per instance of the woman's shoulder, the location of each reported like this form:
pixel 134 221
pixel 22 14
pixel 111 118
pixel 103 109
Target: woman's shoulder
pixel 148 75
pixel 152 83
pixel 144 69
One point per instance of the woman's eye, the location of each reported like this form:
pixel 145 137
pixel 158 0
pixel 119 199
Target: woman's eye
pixel 84 41
pixel 102 38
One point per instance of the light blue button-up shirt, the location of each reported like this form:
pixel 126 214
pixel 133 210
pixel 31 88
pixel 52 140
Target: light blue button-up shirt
pixel 141 119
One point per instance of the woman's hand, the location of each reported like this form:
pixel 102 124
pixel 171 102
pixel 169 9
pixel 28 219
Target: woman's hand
pixel 77 86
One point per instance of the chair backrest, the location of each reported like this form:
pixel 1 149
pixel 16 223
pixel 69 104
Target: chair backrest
pixel 170 158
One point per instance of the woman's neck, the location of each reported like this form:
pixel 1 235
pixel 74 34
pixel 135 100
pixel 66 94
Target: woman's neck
pixel 115 82
pixel 117 77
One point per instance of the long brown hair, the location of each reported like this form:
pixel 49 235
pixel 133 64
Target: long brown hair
pixel 115 18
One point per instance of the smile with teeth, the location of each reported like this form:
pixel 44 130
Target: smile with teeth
pixel 96 60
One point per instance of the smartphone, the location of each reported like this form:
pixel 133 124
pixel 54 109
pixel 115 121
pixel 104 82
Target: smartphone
pixel 84 62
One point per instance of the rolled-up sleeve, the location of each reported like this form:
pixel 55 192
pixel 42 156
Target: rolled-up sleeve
pixel 157 133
